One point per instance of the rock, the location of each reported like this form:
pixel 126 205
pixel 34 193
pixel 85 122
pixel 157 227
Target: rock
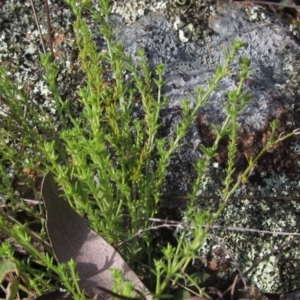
pixel 272 49
pixel 274 53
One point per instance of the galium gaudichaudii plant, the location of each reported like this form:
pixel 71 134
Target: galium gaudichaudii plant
pixel 110 166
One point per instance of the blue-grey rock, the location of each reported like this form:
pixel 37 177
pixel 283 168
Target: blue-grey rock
pixel 274 54
pixel 273 50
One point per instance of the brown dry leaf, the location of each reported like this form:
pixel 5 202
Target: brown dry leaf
pixel 72 239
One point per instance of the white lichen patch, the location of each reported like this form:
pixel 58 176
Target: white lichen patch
pixel 182 36
pixel 177 23
pixel 189 18
pixel 132 10
pixel 276 216
pixel 255 13
pixel 266 273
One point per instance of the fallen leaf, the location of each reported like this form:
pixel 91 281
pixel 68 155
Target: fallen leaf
pixel 72 239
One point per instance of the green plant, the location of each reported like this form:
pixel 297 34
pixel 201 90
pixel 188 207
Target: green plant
pixel 111 166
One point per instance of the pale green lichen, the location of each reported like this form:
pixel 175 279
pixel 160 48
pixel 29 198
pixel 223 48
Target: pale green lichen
pixel 189 17
pixel 274 275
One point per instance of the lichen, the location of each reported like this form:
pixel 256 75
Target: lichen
pixel 272 275
pixel 189 17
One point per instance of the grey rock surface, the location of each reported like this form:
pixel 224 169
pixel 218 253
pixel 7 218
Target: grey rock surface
pixel 274 54
pixel 269 43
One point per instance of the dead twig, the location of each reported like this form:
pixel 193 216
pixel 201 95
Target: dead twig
pixel 49 28
pixel 169 224
pixel 38 26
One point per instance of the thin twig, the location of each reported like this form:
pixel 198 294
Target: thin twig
pixel 35 202
pixel 38 26
pixel 233 287
pixel 49 28
pixel 178 224
pixel 195 295
pixel 141 231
